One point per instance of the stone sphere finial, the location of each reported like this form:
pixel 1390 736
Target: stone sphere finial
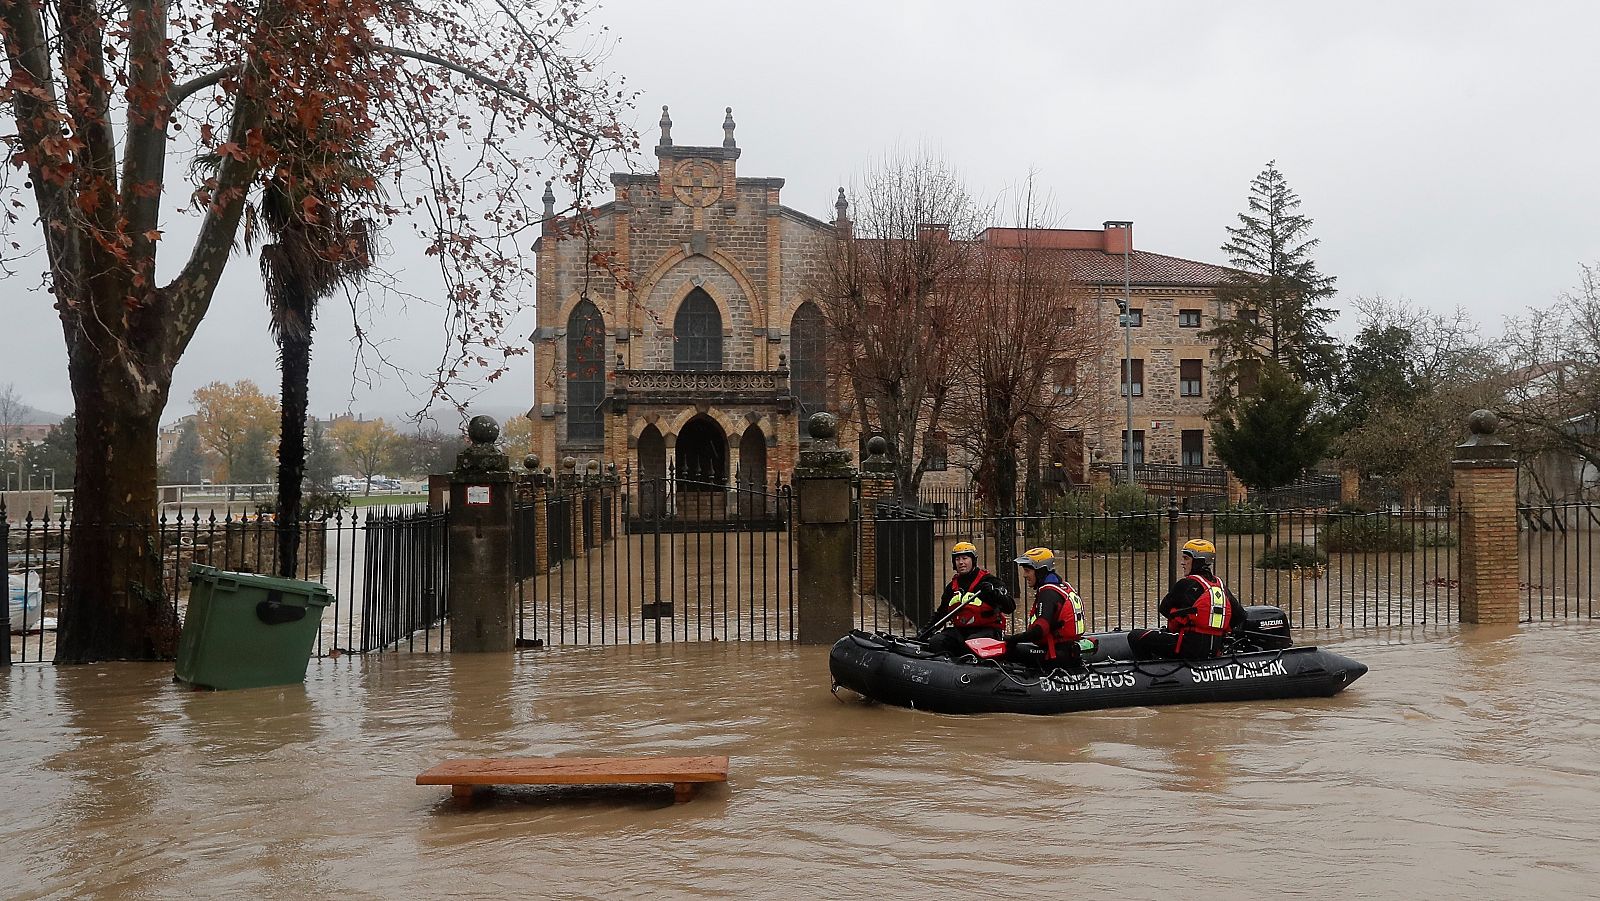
pixel 592 467
pixel 611 469
pixel 531 462
pixel 877 446
pixel 569 464
pixel 483 429
pixel 1099 452
pixel 1483 422
pixel 822 426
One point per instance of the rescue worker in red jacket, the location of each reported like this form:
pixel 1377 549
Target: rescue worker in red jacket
pixel 1056 622
pixel 975 605
pixel 1200 611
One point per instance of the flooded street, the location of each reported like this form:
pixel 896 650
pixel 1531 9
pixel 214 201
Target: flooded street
pixel 1465 762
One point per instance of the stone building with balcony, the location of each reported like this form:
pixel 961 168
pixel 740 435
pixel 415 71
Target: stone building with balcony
pixel 676 331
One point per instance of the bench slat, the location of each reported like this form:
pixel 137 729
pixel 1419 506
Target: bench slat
pixel 576 771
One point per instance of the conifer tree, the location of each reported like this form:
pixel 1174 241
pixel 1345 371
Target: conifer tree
pixel 1270 310
pixel 1271 438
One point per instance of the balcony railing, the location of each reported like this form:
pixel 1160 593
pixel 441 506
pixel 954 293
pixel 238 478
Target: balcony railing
pixel 1166 475
pixel 671 386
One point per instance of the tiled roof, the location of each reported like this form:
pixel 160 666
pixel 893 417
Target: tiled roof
pixel 1096 267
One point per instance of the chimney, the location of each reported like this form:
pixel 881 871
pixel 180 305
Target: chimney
pixel 1118 236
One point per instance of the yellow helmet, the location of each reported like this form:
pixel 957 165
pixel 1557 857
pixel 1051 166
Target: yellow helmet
pixel 1038 558
pixel 1201 550
pixel 964 547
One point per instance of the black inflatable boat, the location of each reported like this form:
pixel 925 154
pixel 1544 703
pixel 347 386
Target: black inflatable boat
pixel 1262 665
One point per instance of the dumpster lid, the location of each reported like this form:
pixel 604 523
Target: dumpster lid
pixel 314 592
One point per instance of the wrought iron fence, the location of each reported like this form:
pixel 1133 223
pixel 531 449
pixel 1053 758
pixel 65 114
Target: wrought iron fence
pixel 1325 569
pixel 658 560
pixel 384 566
pixel 1558 545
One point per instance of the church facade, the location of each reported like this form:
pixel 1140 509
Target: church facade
pixel 677 332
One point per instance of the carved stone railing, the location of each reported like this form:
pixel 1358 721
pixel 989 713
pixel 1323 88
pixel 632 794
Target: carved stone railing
pixel 671 386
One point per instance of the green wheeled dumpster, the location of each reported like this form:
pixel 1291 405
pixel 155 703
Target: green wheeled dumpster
pixel 244 630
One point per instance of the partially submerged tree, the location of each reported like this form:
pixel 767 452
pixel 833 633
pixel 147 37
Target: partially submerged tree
pixel 97 92
pixel 1275 296
pixel 892 294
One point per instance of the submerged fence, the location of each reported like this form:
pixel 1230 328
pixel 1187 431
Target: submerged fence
pixel 672 559
pixel 1559 544
pixel 387 569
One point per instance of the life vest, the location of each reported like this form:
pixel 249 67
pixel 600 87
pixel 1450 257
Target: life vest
pixel 1213 615
pixel 975 613
pixel 1066 630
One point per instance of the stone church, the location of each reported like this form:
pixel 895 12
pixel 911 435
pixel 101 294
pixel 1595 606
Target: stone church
pixel 677 330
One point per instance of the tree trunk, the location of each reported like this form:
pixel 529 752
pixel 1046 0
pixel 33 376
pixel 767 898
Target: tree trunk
pixel 296 365
pixel 1004 467
pixel 115 607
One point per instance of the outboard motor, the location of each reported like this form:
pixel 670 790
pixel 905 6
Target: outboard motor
pixel 1267 627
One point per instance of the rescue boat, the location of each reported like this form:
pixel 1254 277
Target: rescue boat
pixel 1263 664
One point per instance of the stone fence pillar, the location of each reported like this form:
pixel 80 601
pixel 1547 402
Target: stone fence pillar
pixel 1349 484
pixel 482 591
pixel 538 486
pixel 825 536
pixel 1488 553
pixel 877 483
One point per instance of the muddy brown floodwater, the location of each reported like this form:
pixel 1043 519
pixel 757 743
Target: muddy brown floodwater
pixel 1463 764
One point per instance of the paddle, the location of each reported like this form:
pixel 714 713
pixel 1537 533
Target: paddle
pixel 929 629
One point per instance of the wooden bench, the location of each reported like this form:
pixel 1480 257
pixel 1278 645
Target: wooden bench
pixel 685 773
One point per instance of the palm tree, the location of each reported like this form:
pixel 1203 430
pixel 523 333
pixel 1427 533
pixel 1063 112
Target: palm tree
pixel 312 244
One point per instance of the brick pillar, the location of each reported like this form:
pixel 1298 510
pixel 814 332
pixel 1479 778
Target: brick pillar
pixel 1486 493
pixel 541 524
pixel 1237 492
pixel 571 485
pixel 877 483
pixel 824 536
pixel 1349 484
pixel 483 614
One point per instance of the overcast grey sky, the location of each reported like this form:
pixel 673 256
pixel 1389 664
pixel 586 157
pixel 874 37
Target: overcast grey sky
pixel 1445 150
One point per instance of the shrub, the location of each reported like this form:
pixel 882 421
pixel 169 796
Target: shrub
pixel 1244 519
pixel 1289 556
pixel 1372 532
pixel 1104 522
pixel 1435 535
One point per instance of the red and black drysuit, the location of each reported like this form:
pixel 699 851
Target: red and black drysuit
pixel 984 604
pixel 1200 613
pixel 1057 624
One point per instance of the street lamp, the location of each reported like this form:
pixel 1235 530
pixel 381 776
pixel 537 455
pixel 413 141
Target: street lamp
pixel 1126 304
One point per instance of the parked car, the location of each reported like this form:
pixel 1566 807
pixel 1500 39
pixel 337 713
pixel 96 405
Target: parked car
pixel 384 483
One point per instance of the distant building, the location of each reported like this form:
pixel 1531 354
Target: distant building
pixel 700 348
pixel 683 332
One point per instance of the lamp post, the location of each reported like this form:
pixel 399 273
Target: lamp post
pixel 1126 304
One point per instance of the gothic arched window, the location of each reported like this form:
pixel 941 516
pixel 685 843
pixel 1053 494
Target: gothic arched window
pixel 697 334
pixel 808 351
pixel 586 373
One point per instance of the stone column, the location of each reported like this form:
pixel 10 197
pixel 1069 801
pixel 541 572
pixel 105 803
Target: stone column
pixel 1238 493
pixel 825 536
pixel 877 483
pixel 483 614
pixel 591 494
pixel 1488 553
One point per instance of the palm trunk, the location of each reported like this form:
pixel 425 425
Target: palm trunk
pixel 296 365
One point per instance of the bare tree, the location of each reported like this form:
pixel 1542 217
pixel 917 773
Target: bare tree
pixel 1551 383
pixel 893 294
pixel 12 410
pixel 1024 344
pixel 466 105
